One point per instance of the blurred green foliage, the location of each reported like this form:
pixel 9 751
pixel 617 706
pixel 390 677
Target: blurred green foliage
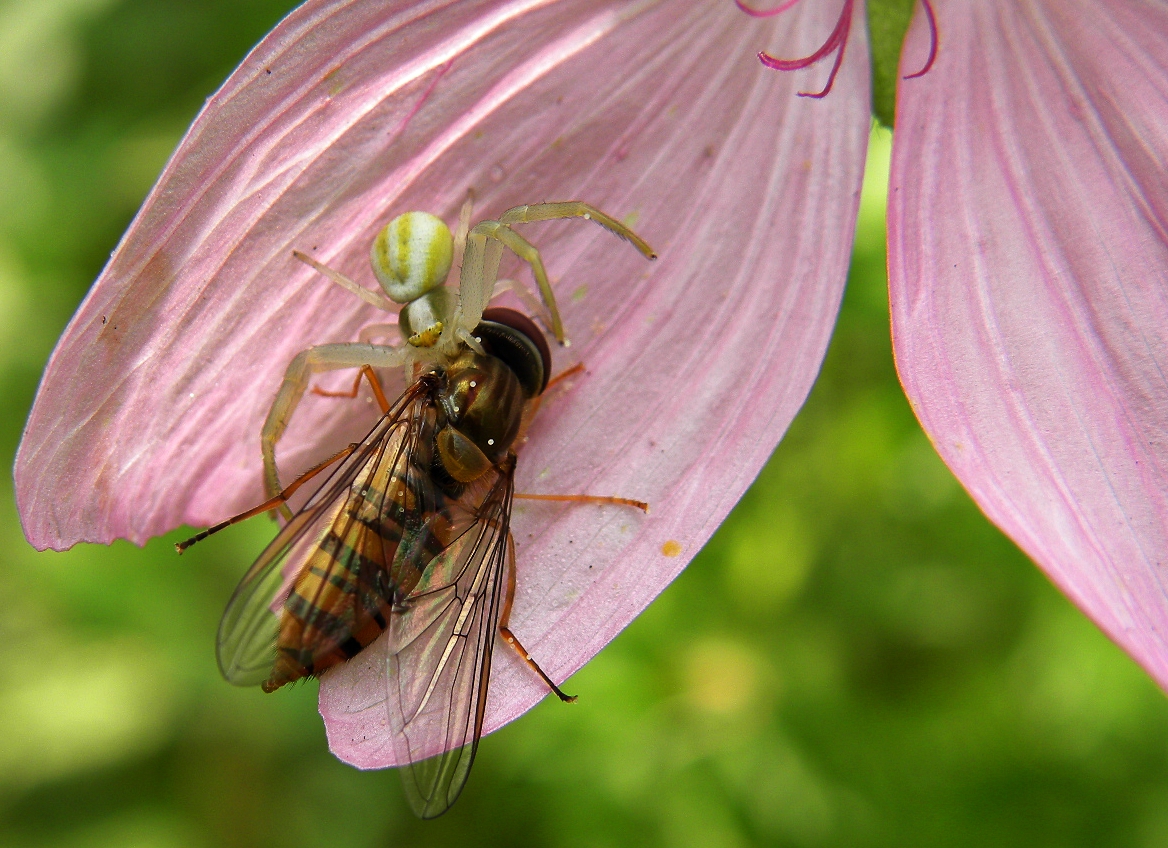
pixel 887 24
pixel 856 659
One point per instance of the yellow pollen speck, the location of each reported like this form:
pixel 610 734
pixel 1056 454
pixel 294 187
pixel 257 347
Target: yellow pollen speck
pixel 671 548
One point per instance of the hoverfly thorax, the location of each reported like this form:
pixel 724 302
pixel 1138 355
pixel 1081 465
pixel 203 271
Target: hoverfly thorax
pixel 485 396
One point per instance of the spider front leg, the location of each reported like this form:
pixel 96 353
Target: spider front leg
pixel 484 248
pixel 315 360
pixel 485 241
pixel 576 209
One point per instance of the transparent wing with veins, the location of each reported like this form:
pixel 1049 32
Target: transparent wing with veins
pixel 441 644
pixel 251 623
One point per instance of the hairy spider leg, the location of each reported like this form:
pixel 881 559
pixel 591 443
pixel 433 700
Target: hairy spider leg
pixel 316 360
pixel 463 224
pixel 575 209
pixel 374 298
pixel 532 303
pixel 480 267
pixel 525 250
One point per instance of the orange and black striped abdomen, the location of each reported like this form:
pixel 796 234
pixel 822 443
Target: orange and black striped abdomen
pixel 345 593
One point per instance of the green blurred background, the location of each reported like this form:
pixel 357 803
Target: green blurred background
pixel 857 658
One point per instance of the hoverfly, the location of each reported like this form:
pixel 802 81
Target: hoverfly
pixel 410 532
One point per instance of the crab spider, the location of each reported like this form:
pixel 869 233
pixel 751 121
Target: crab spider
pixel 411 258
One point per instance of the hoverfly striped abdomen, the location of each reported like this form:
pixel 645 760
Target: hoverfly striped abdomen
pixel 368 557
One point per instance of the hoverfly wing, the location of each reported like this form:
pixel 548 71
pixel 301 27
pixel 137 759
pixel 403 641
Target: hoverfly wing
pixel 440 649
pixel 250 627
pixel 246 642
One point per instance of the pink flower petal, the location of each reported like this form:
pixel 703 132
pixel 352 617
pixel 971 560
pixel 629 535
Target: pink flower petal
pixel 1029 281
pixel 152 403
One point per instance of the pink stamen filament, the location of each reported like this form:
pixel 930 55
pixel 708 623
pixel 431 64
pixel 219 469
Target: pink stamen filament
pixel 768 13
pixel 932 40
pixel 836 43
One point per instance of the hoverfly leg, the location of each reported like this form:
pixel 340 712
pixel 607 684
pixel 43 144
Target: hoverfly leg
pixel 592 499
pixel 374 384
pixel 351 393
pixel 509 637
pixel 578 368
pixel 534 404
pixel 270 504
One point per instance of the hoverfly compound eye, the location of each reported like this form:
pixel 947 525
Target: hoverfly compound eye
pixel 513 337
pixel 412 255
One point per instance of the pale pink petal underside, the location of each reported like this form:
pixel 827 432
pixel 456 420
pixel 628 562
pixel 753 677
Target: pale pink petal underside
pixel 1028 257
pixel 658 111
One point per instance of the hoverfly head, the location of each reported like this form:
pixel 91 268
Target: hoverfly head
pixel 485 396
pixel 513 337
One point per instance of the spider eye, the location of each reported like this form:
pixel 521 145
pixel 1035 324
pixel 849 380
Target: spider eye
pixel 411 255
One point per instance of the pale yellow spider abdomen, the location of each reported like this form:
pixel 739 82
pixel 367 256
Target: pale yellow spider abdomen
pixel 412 255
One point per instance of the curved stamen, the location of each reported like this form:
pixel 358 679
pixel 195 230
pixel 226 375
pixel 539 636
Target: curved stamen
pixel 836 43
pixel 932 40
pixel 768 13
